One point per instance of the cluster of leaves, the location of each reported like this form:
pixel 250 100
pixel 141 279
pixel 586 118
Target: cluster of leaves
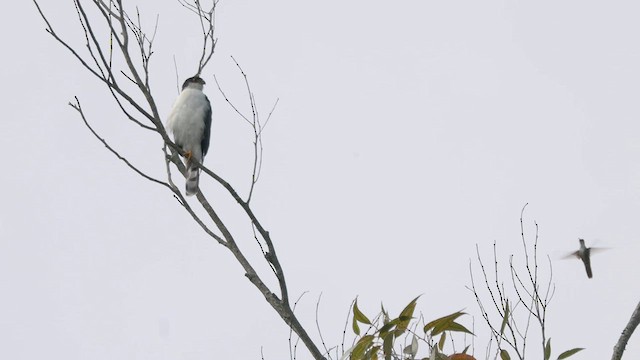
pixel 379 340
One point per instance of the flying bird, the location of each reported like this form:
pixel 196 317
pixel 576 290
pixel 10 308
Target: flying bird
pixel 190 124
pixel 584 254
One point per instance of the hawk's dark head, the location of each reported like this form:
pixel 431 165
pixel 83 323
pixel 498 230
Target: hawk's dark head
pixel 194 81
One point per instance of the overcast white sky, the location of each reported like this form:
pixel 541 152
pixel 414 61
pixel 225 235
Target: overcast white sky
pixel 406 133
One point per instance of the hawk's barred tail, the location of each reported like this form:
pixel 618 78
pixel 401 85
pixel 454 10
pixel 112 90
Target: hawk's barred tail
pixel 193 175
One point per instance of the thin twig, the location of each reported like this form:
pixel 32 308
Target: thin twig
pixel 318 325
pixel 78 108
pixel 291 347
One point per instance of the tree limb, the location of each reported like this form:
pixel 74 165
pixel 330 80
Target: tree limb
pixel 119 24
pixel 618 349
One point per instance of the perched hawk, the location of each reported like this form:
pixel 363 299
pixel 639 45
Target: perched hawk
pixel 190 123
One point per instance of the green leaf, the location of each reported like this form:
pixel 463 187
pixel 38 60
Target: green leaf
pixel 406 315
pixel 358 315
pixel 439 325
pixel 387 346
pixel 362 346
pixel 568 353
pixel 408 310
pixel 387 327
pixel 454 326
pixel 401 325
pixel 443 338
pixel 465 349
pixel 354 325
pixel 547 350
pixel 505 318
pixel 385 315
pixel 504 355
pixel 373 353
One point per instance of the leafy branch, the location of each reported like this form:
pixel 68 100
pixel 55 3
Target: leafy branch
pixel 383 335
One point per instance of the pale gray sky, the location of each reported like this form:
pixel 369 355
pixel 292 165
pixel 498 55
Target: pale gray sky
pixel 406 133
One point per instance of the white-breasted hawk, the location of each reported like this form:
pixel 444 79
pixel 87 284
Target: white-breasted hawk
pixel 190 124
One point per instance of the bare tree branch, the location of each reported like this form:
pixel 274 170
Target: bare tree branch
pixel 324 345
pixel 256 126
pixel 78 108
pixel 125 30
pixel 528 300
pixel 182 201
pixel 208 26
pixel 618 349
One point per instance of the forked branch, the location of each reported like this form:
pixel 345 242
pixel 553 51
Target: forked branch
pixel 98 60
pixel 514 313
